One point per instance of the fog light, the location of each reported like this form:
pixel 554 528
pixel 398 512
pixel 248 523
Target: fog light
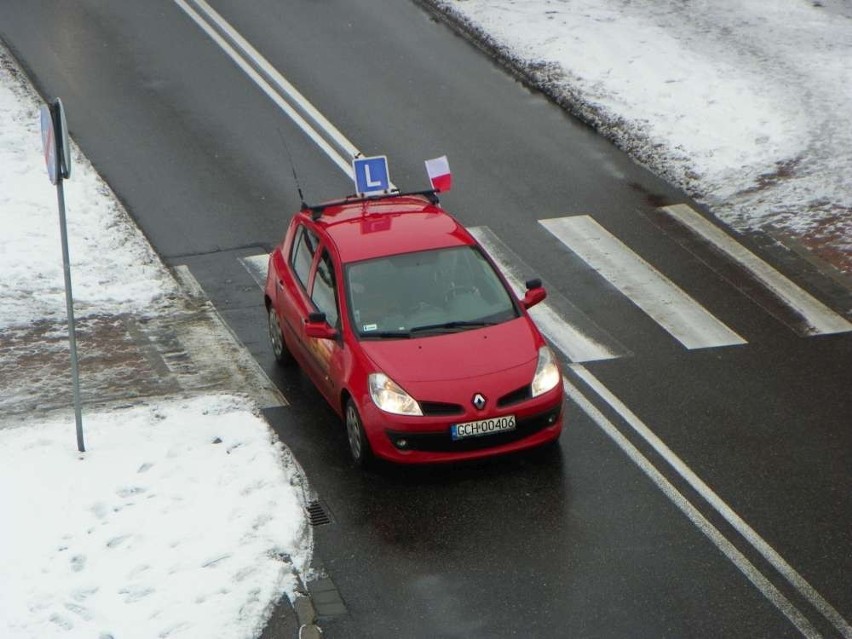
pixel 551 420
pixel 402 443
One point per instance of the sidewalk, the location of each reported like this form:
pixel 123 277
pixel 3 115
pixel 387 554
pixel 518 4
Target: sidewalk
pixel 185 513
pixel 186 350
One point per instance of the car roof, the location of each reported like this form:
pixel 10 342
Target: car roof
pixel 370 228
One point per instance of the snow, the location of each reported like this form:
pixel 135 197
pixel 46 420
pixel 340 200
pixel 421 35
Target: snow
pixel 746 104
pixel 104 244
pixel 184 517
pixel 173 523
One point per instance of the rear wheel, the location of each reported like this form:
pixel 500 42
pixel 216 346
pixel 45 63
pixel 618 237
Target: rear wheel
pixel 359 446
pixel 276 339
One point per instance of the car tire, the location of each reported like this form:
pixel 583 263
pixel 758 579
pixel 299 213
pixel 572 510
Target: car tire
pixel 359 445
pixel 276 339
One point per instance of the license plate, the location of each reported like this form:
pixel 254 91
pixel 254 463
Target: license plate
pixel 483 427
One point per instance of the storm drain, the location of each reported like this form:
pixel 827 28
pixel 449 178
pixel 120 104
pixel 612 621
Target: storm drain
pixel 317 515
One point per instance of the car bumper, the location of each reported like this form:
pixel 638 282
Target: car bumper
pixel 425 440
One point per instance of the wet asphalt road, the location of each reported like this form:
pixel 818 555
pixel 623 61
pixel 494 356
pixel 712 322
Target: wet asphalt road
pixel 581 543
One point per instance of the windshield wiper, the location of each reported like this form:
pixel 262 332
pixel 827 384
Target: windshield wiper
pixel 450 326
pixel 385 334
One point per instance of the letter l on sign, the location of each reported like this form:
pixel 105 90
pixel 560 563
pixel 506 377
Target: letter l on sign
pixel 371 183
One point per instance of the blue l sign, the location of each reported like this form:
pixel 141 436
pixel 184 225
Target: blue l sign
pixel 371 174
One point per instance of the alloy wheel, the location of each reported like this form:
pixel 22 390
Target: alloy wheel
pixel 354 433
pixel 276 338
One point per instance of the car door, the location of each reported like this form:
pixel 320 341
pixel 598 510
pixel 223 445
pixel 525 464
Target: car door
pixel 295 270
pixel 325 355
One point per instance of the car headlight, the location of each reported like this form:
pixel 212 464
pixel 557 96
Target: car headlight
pixel 547 374
pixel 388 396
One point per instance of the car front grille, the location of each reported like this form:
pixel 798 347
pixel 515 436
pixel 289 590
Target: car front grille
pixel 442 442
pixel 437 409
pixel 519 395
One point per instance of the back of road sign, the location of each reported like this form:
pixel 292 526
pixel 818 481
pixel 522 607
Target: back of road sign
pixel 54 139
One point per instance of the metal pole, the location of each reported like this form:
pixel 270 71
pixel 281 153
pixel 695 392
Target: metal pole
pixel 69 305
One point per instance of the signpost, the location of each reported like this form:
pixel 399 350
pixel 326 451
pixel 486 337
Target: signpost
pixel 57 156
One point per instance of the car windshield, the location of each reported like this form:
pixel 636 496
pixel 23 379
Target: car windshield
pixel 424 293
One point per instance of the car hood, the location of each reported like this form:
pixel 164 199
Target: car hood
pixel 462 355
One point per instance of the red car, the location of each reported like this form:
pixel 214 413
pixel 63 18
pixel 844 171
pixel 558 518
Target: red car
pixel 410 332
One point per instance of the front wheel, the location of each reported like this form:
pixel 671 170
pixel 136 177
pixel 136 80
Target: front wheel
pixel 359 446
pixel 276 339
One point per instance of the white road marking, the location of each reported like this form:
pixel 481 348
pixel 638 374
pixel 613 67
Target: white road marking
pixel 569 339
pixel 282 86
pixel 748 533
pixel 819 318
pixel 344 164
pixel 711 532
pixel 279 80
pixel 686 320
pixel 256 265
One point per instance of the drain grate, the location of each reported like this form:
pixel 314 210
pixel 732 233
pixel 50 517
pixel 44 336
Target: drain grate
pixel 317 516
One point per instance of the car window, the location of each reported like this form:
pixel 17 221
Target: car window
pixel 452 289
pixel 324 293
pixel 302 256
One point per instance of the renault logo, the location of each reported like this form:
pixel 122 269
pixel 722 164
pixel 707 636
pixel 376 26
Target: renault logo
pixel 479 401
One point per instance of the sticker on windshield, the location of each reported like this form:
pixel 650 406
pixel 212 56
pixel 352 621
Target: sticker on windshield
pixel 369 327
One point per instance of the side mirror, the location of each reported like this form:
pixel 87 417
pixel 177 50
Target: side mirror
pixel 535 293
pixel 316 326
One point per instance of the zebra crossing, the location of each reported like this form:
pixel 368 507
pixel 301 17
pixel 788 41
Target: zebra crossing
pixel 566 326
pixel 677 313
pixel 648 288
pixel 817 318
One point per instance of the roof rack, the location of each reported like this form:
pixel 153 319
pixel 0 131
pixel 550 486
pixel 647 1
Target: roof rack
pixel 318 209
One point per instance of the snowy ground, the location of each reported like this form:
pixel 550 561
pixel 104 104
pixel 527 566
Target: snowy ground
pixel 746 104
pixel 104 243
pixel 180 521
pixel 184 518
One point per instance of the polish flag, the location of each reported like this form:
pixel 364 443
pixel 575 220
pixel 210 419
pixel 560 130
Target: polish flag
pixel 439 173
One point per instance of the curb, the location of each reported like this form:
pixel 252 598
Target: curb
pixel 306 615
pixel 266 395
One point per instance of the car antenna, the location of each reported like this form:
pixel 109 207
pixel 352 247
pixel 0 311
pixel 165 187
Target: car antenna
pixel 304 205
